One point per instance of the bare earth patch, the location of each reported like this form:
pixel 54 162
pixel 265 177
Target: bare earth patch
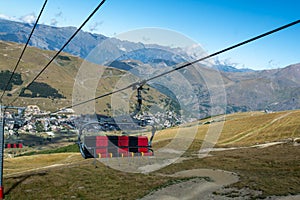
pixel 195 188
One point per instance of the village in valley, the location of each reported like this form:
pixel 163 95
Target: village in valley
pixel 44 127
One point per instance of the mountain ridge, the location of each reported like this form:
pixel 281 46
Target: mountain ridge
pixel 84 43
pixel 59 79
pixel 277 89
pixel 246 90
pixel 56 36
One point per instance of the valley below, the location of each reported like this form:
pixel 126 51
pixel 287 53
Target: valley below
pixel 254 158
pixel 221 133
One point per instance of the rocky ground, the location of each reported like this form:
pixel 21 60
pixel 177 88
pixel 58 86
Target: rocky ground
pixel 213 188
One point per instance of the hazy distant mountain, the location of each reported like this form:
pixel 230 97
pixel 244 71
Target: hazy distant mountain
pixel 54 89
pixel 52 38
pixel 228 68
pixel 277 89
pixel 49 37
pixel 93 47
pixel 224 66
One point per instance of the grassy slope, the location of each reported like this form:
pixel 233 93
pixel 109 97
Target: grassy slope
pixel 80 180
pixel 261 128
pixel 245 129
pixel 273 170
pixel 61 75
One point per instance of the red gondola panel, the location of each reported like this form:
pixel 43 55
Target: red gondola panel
pixel 143 144
pixel 123 143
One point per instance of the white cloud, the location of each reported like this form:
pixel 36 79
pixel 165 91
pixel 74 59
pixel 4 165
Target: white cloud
pixel 228 62
pixel 273 64
pixel 3 16
pixel 29 18
pixel 57 17
pixel 95 25
pixel 59 14
pixel 146 39
pixel 53 22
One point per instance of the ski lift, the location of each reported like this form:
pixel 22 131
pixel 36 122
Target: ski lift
pixel 104 145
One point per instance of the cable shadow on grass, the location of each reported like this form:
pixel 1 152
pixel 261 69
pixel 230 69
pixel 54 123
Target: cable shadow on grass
pixel 22 179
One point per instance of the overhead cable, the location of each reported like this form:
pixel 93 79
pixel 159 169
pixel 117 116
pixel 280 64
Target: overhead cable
pixel 62 48
pixel 13 73
pixel 140 83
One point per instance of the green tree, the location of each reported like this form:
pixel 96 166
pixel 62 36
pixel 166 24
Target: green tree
pixel 5 76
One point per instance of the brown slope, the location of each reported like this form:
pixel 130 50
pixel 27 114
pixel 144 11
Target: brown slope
pixel 277 89
pixel 60 75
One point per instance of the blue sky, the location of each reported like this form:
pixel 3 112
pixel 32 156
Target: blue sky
pixel 214 24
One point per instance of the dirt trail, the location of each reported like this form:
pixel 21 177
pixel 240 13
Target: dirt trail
pixel 66 162
pixel 280 117
pixel 200 189
pixel 295 197
pixel 196 188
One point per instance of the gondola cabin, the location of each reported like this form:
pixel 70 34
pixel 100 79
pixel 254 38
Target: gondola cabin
pixel 115 146
pixel 105 146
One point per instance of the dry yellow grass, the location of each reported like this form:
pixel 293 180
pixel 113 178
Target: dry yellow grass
pixel 79 179
pixel 273 170
pixel 28 163
pixel 245 129
pixel 261 128
pixel 61 75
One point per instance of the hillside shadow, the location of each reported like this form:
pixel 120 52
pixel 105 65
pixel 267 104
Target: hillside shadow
pixel 22 179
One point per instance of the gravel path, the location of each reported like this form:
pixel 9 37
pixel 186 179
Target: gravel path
pixel 200 189
pixel 196 188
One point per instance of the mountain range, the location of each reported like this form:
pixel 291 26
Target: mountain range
pixel 85 44
pixel 272 90
pixel 245 89
pixel 60 85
